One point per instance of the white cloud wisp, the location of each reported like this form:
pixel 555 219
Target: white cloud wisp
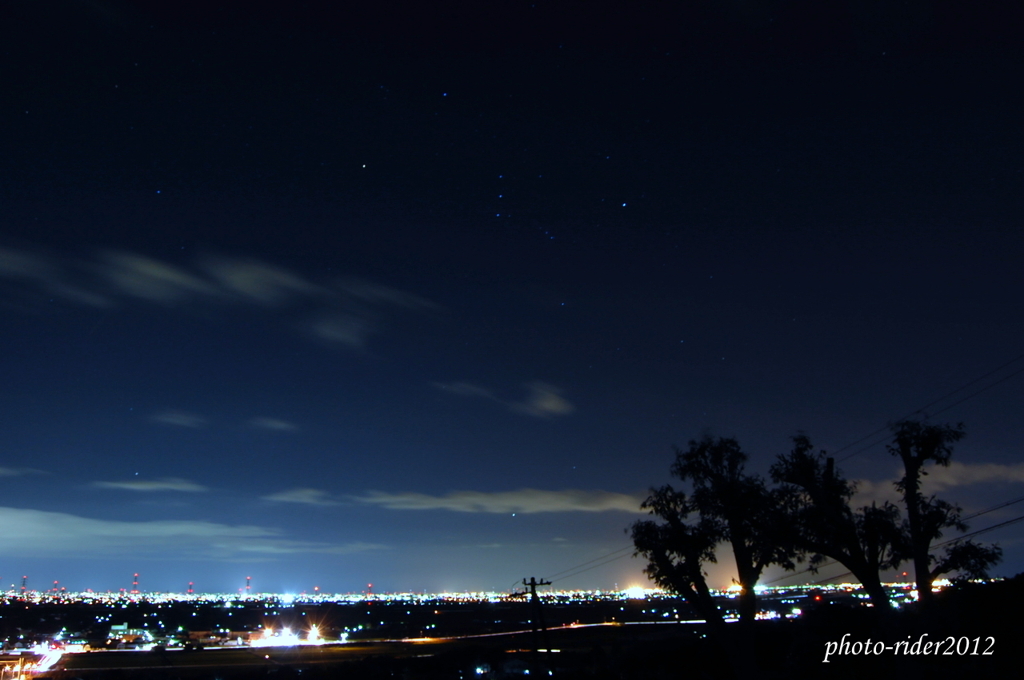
pixel 524 501
pixel 37 533
pixel 542 400
pixel 302 496
pixel 162 484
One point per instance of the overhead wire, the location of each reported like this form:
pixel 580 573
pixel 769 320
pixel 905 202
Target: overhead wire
pixel 935 401
pixel 993 508
pixel 565 572
pixel 937 545
pixel 980 531
pixel 614 555
pixel 578 569
pixel 604 559
pixel 922 410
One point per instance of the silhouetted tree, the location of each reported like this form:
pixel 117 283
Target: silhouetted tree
pixel 678 549
pixel 917 444
pixel 730 506
pixel 817 498
pixel 741 504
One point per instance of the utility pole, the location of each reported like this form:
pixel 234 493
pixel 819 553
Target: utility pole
pixel 540 631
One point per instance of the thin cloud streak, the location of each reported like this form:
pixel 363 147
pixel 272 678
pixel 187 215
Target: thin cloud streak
pixel 179 419
pixel 302 496
pixel 152 280
pixel 47 275
pixel 342 312
pixel 465 389
pixel 526 501
pixel 275 424
pixel 258 282
pixel 18 472
pixel 939 479
pixel 963 474
pixel 164 484
pixel 36 533
pixel 342 329
pixel 543 400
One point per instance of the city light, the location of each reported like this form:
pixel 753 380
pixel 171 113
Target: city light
pixel 139 622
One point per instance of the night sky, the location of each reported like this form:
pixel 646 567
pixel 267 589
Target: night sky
pixel 423 295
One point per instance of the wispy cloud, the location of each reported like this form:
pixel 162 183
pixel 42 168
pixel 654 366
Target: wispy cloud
pixel 21 264
pixel 962 474
pixel 163 484
pixel 275 424
pixel 178 419
pixel 377 294
pixel 869 491
pixel 143 277
pixel 939 479
pixel 259 282
pixel 303 496
pixel 35 533
pixel 521 501
pixel 342 329
pixel 46 274
pixel 465 389
pixel 17 472
pixel 345 312
pixel 542 400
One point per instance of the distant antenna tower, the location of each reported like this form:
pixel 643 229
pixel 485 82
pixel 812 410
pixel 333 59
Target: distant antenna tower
pixel 190 584
pixel 135 585
pixel 24 584
pixel 248 585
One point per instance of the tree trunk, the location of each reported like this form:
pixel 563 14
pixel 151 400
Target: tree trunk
pixel 748 574
pixel 872 584
pixel 918 541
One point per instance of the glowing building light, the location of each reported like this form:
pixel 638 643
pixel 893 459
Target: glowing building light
pixel 635 593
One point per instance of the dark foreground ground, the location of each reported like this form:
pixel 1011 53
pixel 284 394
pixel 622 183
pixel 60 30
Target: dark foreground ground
pixel 974 632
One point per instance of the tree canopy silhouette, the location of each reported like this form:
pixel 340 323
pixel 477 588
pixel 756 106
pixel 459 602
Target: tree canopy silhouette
pixel 817 498
pixel 809 513
pixel 916 444
pixel 678 549
pixel 732 505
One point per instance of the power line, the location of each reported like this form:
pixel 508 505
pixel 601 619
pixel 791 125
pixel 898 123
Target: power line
pixel 607 559
pixel 983 389
pixel 573 571
pixel 993 508
pixel 579 568
pixel 932 403
pixel 981 531
pixel 952 540
pixel 583 564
